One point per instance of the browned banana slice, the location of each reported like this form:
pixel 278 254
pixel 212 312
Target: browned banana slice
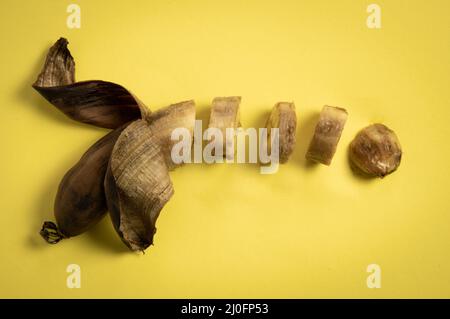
pixel 225 114
pixel 327 134
pixel 137 183
pixel 283 117
pixel 99 103
pixel 376 150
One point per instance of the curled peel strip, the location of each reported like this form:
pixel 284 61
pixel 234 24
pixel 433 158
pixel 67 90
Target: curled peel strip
pixel 137 183
pixel 99 103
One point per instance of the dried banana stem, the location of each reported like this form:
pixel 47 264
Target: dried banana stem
pixel 225 114
pixel 327 134
pixel 99 103
pixel 283 117
pixel 376 150
pixel 80 201
pixel 137 183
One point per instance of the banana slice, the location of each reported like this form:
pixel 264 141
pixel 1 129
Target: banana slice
pixel 327 134
pixel 376 150
pixel 283 117
pixel 225 114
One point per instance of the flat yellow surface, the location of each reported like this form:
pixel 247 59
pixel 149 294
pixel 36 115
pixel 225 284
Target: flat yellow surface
pixel 306 231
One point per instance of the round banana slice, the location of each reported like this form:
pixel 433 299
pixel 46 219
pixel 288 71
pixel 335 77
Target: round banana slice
pixel 376 150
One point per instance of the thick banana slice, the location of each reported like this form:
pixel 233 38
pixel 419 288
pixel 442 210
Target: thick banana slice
pixel 137 183
pixel 225 114
pixel 283 117
pixel 376 150
pixel 327 134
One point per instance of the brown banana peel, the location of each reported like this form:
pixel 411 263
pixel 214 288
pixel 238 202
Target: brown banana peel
pixel 99 103
pixel 80 201
pixel 137 182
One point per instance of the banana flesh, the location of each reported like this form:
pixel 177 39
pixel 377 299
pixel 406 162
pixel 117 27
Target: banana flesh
pixel 284 118
pixel 376 150
pixel 225 114
pixel 327 134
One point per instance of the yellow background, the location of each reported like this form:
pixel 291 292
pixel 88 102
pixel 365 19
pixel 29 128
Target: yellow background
pixel 307 231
